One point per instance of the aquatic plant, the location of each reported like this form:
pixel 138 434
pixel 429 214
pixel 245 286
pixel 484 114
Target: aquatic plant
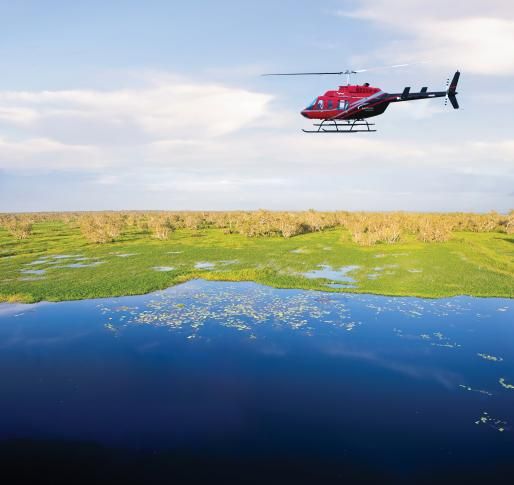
pixel 479 391
pixel 504 384
pixel 490 357
pixel 494 423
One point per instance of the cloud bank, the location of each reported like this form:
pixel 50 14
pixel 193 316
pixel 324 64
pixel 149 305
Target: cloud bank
pixel 474 36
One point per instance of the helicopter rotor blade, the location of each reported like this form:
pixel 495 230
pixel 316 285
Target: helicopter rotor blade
pixel 301 73
pixel 378 68
pixel 346 72
pixel 340 73
pixel 394 66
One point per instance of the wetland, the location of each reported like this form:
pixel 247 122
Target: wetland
pixel 57 263
pixel 342 355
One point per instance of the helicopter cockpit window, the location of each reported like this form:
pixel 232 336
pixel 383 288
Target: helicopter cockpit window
pixel 320 104
pixel 329 104
pixel 343 105
pixel 311 106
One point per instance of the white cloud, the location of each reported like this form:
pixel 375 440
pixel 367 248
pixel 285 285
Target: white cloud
pixel 86 129
pixel 47 154
pixel 190 145
pixel 17 115
pixel 168 108
pixel 475 36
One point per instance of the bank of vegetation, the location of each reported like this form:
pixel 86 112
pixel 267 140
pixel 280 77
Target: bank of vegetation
pixel 366 228
pixel 74 255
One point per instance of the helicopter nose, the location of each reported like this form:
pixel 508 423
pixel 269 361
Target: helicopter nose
pixel 305 113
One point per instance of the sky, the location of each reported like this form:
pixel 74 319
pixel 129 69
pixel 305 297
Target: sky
pixel 123 104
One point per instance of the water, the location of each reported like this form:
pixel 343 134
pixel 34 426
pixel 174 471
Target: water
pixel 83 265
pixel 205 265
pixel 163 268
pixel 222 381
pixel 339 277
pixel 33 271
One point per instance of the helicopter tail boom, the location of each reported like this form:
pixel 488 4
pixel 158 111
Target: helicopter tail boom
pixel 450 94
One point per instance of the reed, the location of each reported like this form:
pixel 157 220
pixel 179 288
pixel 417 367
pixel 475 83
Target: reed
pixel 20 227
pixel 101 228
pixel 432 230
pixel 365 228
pixel 368 229
pixel 160 226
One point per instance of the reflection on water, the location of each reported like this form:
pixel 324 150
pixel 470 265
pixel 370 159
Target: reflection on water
pixel 204 265
pixel 163 268
pixel 227 374
pixel 65 256
pixel 339 277
pixel 33 271
pixel 83 265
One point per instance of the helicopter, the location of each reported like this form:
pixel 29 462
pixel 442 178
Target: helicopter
pixel 346 109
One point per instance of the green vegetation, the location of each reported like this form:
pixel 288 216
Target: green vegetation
pixel 134 253
pixel 504 384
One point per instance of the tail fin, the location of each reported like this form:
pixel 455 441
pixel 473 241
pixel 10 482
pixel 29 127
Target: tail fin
pixel 453 101
pixel 452 90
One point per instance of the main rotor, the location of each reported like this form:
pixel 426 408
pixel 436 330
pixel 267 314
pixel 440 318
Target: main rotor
pixel 346 72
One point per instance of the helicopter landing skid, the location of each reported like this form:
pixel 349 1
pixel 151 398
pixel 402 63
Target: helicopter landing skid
pixel 334 126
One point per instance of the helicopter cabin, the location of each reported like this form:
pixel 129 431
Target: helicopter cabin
pixel 340 99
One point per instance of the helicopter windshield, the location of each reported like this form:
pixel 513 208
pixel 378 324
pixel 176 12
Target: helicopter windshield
pixel 311 105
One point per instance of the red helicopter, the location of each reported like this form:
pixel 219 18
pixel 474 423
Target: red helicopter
pixel 345 110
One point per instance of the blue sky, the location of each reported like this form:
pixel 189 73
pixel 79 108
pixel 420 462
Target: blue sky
pixel 159 105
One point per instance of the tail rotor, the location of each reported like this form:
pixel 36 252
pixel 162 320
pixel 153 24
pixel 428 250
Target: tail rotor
pixel 451 91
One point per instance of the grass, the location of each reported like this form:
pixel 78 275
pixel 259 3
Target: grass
pixel 477 264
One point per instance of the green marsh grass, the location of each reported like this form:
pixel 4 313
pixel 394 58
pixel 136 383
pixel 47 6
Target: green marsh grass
pixel 469 262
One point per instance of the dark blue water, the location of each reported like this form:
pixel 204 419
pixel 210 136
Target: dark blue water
pixel 239 383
